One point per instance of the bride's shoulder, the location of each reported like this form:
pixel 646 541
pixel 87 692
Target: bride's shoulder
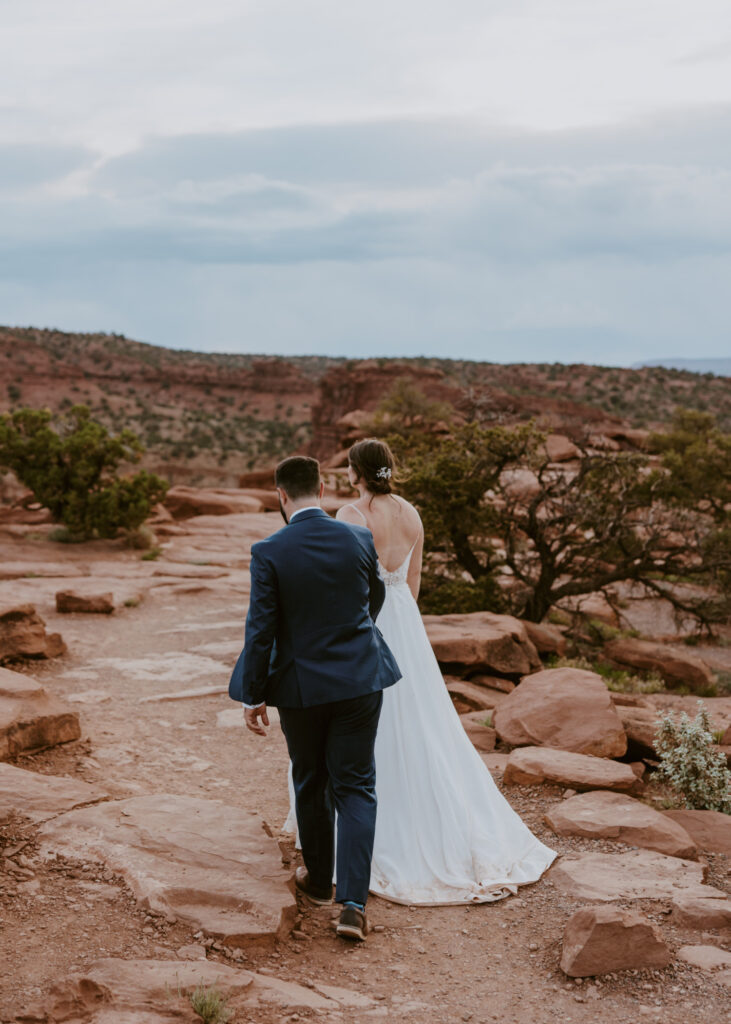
pixel 407 508
pixel 350 513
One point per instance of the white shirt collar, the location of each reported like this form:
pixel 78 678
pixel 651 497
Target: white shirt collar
pixel 308 508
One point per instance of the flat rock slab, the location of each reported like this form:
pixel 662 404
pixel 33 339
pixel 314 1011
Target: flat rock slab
pixel 529 766
pixel 605 815
pixel 703 914
pixel 708 958
pixel 602 939
pixel 149 991
pixel 31 570
pixel 482 641
pixel 638 874
pixel 208 864
pixel 711 830
pixel 566 708
pixel 30 718
pixel 40 797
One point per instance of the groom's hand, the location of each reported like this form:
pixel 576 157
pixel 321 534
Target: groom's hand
pixel 252 716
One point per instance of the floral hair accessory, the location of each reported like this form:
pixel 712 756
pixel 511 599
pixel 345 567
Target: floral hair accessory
pixel 384 473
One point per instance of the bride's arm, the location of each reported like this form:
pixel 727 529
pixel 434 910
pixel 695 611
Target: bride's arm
pixel 414 577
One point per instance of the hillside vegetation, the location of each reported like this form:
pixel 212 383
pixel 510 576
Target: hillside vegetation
pixel 207 418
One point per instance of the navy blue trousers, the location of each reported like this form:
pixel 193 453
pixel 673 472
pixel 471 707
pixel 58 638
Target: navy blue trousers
pixel 331 747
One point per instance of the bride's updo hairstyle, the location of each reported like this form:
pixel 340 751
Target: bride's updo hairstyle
pixel 372 461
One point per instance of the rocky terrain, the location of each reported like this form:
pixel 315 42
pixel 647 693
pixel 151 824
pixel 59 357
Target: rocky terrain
pixel 207 419
pixel 140 848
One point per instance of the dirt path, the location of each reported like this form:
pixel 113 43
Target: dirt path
pixel 485 963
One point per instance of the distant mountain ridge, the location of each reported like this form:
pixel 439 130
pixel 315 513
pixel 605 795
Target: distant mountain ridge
pixel 208 418
pixel 720 367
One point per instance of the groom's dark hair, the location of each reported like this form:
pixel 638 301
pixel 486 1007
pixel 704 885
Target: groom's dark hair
pixel 299 476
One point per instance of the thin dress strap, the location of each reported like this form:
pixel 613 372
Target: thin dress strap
pixel 359 512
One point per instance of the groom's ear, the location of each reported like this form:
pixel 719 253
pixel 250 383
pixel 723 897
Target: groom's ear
pixel 321 495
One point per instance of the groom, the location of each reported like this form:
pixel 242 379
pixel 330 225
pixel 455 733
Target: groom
pixel 312 650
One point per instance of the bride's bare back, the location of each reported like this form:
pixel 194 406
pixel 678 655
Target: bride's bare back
pixel 396 528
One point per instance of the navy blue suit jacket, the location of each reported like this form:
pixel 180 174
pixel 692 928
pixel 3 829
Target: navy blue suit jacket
pixel 310 631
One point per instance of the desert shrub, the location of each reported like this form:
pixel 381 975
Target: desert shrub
pixel 618 680
pixel 442 596
pixel 210 1005
pixel 72 470
pixel 690 765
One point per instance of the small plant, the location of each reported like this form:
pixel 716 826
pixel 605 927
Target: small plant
pixel 131 602
pixel 487 720
pixel 210 1004
pixel 690 765
pixel 141 538
pixel 618 680
pixel 152 554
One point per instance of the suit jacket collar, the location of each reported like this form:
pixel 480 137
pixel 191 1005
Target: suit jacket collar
pixel 309 513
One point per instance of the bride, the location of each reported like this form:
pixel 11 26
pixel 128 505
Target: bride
pixel 444 832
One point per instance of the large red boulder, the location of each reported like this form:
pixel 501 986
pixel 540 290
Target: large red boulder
pixel 675 667
pixel 530 766
pixel 482 642
pixel 599 940
pixel 605 815
pixel 711 830
pixel 567 708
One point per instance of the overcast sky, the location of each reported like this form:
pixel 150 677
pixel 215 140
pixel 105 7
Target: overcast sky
pixel 510 180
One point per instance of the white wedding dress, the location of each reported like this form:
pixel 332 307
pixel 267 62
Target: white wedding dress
pixel 444 832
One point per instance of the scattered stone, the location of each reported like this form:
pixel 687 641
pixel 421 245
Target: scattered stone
pixel 23 635
pixel 702 914
pixel 521 484
pixel 637 874
pixel 39 797
pixel 711 830
pixel 604 815
pixel 591 606
pixel 601 939
pixel 530 766
pixel 69 601
pixel 468 697
pixel 708 958
pixel 211 866
pixel 31 719
pixel 546 638
pixel 482 641
pixel 640 725
pixel 676 668
pixel 566 708
pixel 560 448
pixel 483 736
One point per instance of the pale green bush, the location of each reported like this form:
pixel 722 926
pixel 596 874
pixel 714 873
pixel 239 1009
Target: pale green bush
pixel 690 765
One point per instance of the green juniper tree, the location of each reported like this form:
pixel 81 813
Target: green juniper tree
pixel 72 469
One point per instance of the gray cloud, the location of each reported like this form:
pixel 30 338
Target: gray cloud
pixel 25 165
pixel 407 237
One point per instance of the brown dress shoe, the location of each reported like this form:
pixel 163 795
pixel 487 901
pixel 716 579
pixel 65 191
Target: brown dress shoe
pixel 353 924
pixel 320 897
